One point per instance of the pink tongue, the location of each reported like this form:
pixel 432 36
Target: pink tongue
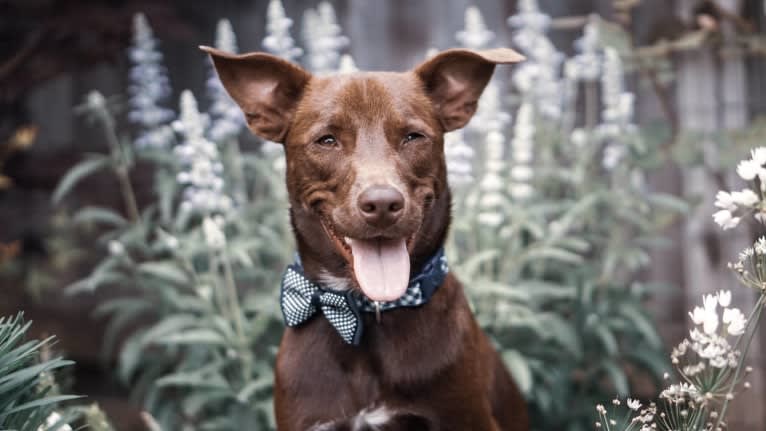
pixel 382 267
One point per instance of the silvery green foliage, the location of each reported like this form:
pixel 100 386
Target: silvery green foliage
pixel 198 344
pixel 27 388
pixel 322 38
pixel 226 119
pixel 549 238
pixel 278 40
pixel 149 88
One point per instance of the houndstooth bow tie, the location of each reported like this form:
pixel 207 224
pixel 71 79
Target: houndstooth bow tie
pixel 301 298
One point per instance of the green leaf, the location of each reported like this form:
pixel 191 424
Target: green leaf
pixel 519 369
pixel 618 378
pixel 641 323
pixel 99 215
pixel 194 336
pixel 607 339
pixel 170 325
pixel 470 267
pixel 260 384
pixel 669 202
pixel 78 173
pixel 165 270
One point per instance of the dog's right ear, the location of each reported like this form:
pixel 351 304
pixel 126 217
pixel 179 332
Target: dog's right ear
pixel 266 87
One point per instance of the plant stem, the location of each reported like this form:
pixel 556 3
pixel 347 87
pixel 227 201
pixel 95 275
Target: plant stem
pixel 752 326
pixel 120 166
pixel 236 311
pixel 233 158
pixel 591 105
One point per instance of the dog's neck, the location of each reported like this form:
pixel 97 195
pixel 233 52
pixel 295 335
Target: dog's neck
pixel 323 265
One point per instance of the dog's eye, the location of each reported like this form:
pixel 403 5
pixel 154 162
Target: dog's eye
pixel 414 136
pixel 327 141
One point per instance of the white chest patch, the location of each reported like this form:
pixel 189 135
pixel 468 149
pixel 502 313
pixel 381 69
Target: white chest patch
pixel 332 282
pixel 372 418
pixel 364 420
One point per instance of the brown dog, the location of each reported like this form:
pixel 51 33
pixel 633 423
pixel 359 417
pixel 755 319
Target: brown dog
pixel 369 200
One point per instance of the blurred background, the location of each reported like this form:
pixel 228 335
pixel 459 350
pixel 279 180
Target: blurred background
pixel 584 190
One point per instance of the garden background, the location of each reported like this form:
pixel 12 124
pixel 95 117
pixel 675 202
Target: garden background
pixel 697 71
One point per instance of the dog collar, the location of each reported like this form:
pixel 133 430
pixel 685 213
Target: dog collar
pixel 301 298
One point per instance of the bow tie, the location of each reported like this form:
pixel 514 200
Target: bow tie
pixel 301 298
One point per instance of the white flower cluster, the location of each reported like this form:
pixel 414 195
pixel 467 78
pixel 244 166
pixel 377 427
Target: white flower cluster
pixel 492 201
pixel 586 65
pixel 537 78
pixel 475 35
pixel 642 421
pixel 489 122
pixel 522 147
pixel 346 64
pixel 53 421
pixel 322 38
pixel 201 176
pixel 617 114
pixel 278 40
pixel 212 231
pixel 737 204
pixel 711 346
pixel 618 103
pixel 459 157
pixel 149 87
pixel 226 119
pixel 750 265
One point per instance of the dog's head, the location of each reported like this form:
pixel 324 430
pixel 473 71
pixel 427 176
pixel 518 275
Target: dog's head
pixel 366 173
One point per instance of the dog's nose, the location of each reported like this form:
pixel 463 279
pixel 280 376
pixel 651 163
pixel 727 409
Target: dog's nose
pixel 381 206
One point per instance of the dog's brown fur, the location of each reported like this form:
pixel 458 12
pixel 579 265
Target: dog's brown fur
pixel 428 368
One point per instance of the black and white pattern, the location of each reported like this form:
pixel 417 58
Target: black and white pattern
pixel 301 298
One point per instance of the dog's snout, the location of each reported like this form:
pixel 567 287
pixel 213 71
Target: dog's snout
pixel 381 206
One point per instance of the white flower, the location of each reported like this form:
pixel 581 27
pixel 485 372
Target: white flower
pixel 749 169
pixel 475 35
pixel 761 217
pixel 724 298
pixel 746 197
pixel 278 40
pixel 725 219
pixel 347 65
pixel 149 88
pixel 214 236
pixel 736 321
pixel 633 404
pixel 707 317
pixel 725 201
pixel 759 155
pixel 116 248
pixel 52 420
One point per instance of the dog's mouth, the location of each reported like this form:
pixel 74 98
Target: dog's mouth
pixel 380 265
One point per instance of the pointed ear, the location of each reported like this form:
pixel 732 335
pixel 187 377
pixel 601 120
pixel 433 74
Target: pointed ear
pixel 266 87
pixel 454 80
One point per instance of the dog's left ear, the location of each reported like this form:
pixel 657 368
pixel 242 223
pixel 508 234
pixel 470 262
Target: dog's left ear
pixel 454 80
pixel 266 87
